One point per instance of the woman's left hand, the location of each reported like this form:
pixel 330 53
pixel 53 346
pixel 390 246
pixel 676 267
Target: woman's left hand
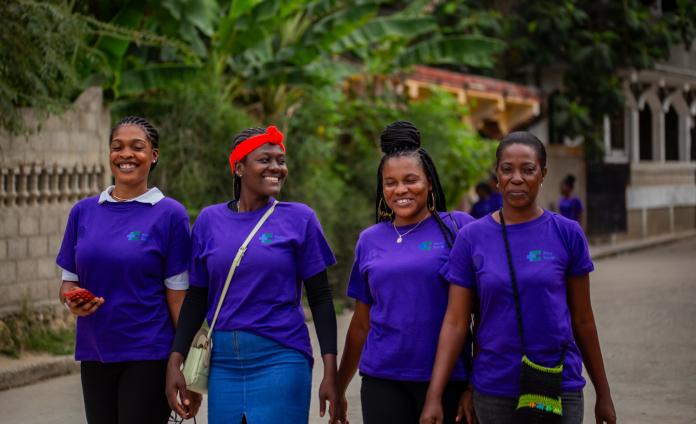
pixel 465 410
pixel 604 410
pixel 328 391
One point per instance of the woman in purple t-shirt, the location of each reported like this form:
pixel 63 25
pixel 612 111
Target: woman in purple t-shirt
pixel 261 362
pixel 129 246
pixel 551 262
pixel 400 298
pixel 568 205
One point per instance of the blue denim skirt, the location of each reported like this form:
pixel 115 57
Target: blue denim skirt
pixel 256 377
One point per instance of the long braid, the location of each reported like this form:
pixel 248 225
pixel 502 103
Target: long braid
pixel 439 195
pixel 149 130
pixel 247 133
pixel 402 138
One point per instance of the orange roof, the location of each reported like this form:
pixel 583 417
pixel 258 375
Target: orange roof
pixel 474 82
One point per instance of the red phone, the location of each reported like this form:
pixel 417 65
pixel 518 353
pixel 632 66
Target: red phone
pixel 79 295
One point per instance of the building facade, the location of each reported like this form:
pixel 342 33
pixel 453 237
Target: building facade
pixel 41 176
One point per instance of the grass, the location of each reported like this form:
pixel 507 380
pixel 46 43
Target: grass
pixel 31 329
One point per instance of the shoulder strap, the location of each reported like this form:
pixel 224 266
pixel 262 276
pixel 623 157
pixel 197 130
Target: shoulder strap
pixel 236 261
pixel 513 277
pixel 516 292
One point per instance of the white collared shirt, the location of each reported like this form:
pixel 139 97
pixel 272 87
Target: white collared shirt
pixel 152 196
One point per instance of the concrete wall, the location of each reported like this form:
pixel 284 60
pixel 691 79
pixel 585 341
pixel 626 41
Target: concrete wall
pixel 660 200
pixel 561 161
pixel 41 177
pixel 663 197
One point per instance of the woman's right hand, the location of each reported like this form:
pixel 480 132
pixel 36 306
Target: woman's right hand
pixel 182 401
pixel 432 412
pixel 76 307
pixel 342 417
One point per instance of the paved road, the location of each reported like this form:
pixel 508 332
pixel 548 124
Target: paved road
pixel 645 307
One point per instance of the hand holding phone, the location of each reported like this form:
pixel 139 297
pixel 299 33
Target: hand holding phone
pixel 81 302
pixel 79 295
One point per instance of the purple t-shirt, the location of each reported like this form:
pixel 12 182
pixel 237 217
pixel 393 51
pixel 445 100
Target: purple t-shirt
pixel 407 295
pixel 495 201
pixel 570 207
pixel 545 251
pixel 123 252
pixel 265 294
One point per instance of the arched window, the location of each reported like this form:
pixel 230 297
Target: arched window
pixel 645 133
pixel 693 141
pixel 672 134
pixel 616 127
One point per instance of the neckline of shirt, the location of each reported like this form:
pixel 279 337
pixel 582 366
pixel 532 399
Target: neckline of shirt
pixel 151 197
pixel 443 215
pixel 249 214
pixel 522 225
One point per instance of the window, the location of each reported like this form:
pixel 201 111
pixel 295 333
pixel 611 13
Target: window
pixel 616 131
pixel 645 133
pixel 672 134
pixel 693 142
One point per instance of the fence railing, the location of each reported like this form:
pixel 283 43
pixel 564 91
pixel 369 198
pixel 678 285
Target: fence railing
pixel 36 184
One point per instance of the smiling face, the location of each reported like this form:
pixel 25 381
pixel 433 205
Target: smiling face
pixel 519 175
pixel 263 171
pixel 405 188
pixel 131 155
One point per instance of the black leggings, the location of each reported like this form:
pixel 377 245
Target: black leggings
pixel 392 401
pixel 125 392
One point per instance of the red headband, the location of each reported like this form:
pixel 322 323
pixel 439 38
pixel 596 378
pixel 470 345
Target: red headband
pixel 272 135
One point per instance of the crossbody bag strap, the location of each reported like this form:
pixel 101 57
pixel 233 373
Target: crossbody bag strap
pixel 236 261
pixel 516 292
pixel 513 278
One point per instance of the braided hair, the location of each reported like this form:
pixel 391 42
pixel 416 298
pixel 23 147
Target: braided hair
pixel 402 138
pixel 247 133
pixel 150 132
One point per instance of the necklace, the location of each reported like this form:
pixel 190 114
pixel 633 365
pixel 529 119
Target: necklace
pixel 400 237
pixel 121 199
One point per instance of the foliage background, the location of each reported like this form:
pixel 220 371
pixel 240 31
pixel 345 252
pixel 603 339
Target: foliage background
pixel 202 70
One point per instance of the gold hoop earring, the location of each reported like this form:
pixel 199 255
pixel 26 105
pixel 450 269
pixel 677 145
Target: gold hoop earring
pixel 383 214
pixel 431 206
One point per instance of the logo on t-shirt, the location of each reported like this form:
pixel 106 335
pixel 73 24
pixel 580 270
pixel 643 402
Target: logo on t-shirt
pixel 430 245
pixel 137 236
pixel 540 255
pixel 269 238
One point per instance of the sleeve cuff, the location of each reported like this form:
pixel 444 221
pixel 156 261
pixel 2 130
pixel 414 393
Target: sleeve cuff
pixel 68 276
pixel 178 282
pixel 359 296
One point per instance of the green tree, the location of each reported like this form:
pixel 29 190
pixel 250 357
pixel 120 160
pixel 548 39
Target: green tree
pixel 587 41
pixel 38 46
pixel 265 53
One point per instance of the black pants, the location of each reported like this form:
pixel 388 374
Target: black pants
pixel 392 401
pixel 125 392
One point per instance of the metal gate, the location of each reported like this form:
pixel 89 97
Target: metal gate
pixel 606 197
